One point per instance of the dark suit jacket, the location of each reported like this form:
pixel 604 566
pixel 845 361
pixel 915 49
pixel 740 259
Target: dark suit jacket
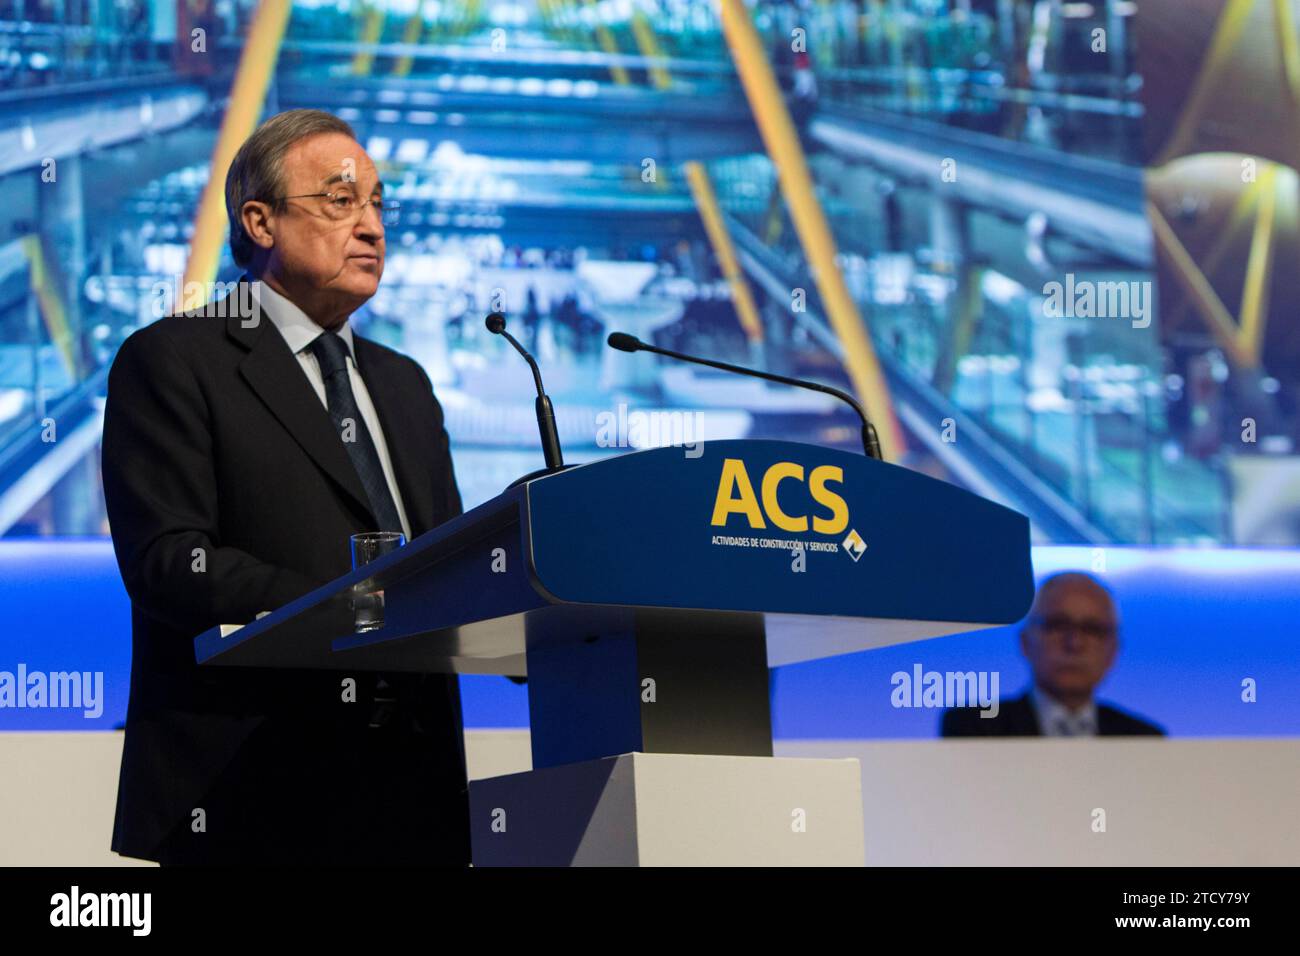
pixel 217 449
pixel 1018 718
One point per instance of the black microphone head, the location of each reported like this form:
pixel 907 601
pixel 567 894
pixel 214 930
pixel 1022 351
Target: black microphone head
pixel 624 342
pixel 496 323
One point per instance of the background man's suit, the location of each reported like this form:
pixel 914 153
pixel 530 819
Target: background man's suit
pixel 216 443
pixel 1018 718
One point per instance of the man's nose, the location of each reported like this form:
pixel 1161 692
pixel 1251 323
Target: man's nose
pixel 371 223
pixel 1072 638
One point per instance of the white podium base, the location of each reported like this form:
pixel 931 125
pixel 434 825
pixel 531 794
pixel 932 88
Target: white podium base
pixel 672 810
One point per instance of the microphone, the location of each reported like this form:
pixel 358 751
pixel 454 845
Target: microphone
pixel 870 442
pixel 496 324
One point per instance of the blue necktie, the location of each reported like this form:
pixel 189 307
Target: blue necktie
pixel 331 352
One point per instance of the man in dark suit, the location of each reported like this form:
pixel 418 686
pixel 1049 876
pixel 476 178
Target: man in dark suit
pixel 243 445
pixel 1070 640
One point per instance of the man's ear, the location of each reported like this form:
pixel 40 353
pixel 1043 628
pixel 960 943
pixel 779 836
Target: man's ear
pixel 258 222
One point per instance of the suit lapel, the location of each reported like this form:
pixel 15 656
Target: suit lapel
pixel 273 372
pixel 1106 723
pixel 1026 716
pixel 412 460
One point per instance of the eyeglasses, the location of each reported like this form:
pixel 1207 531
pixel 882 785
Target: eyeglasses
pixel 343 204
pixel 1058 625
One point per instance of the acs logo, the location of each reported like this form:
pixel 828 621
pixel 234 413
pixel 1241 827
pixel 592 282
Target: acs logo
pixel 736 496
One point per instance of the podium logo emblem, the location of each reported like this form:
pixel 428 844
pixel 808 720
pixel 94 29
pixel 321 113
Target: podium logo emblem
pixel 854 545
pixel 736 496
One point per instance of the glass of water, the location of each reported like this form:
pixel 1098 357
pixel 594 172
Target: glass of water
pixel 368 602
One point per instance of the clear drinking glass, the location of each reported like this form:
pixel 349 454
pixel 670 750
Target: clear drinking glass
pixel 367 601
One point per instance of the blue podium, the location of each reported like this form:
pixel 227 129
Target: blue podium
pixel 646 597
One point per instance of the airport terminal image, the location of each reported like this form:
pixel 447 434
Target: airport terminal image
pixel 651 433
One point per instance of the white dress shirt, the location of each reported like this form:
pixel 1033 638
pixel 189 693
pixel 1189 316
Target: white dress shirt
pixel 300 331
pixel 1057 720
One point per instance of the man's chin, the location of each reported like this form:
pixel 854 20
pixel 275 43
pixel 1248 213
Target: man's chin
pixel 360 284
pixel 1072 684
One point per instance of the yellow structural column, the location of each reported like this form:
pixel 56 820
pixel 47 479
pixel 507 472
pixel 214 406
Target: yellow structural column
pixel 467 20
pixel 411 33
pixel 607 43
pixel 247 95
pixel 706 201
pixel 559 18
pixel 782 143
pixel 1228 32
pixel 1253 314
pixel 372 28
pixel 1199 290
pixel 50 301
pixel 649 47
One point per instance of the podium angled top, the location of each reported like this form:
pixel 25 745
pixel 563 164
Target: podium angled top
pixel 836 552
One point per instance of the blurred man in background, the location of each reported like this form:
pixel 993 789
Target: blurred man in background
pixel 1070 640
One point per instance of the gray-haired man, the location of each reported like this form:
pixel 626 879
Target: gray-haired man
pixel 243 445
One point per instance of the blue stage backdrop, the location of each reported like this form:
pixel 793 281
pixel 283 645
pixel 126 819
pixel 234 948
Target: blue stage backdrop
pixel 1196 625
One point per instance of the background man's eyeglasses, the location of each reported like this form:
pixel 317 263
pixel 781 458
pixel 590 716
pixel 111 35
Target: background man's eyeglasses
pixel 1057 626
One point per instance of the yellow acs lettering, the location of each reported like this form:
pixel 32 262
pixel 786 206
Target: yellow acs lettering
pixel 774 476
pixel 839 519
pixel 734 475
pixel 736 496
